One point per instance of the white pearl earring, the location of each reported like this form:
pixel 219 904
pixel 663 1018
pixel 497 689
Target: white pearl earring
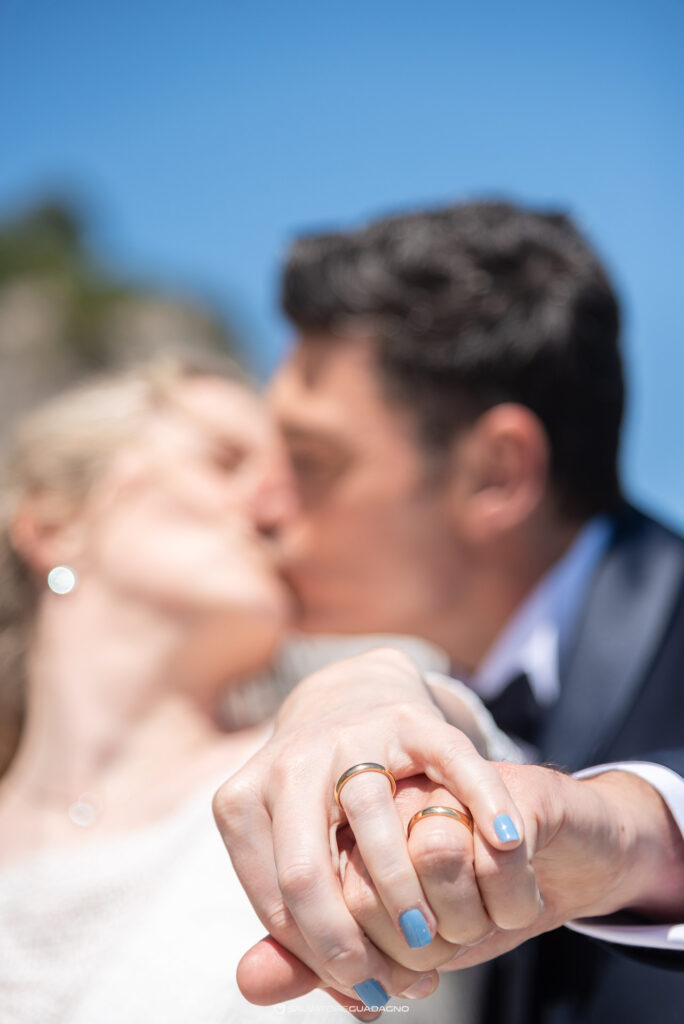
pixel 62 579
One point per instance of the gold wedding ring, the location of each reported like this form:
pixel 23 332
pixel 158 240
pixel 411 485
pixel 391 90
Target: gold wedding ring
pixel 359 769
pixel 450 812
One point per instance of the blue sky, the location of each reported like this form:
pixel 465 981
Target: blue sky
pixel 203 135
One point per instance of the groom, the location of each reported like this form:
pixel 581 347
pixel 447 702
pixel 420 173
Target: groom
pixel 452 409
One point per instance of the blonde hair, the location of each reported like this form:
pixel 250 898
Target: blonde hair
pixel 58 451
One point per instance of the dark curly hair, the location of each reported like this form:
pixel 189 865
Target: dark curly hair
pixel 473 305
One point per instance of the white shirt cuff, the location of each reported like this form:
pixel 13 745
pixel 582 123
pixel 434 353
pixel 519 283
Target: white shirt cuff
pixel 656 936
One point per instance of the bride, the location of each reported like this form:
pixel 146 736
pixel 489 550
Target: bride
pixel 136 584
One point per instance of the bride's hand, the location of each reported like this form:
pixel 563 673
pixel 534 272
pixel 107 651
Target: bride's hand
pixel 278 816
pixel 442 852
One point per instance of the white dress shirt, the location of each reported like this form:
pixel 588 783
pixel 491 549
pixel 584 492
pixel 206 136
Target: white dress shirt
pixel 534 642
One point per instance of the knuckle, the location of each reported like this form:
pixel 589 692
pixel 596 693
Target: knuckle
pixel 277 919
pixel 452 752
pixel 408 711
pixel 439 850
pixel 222 802
pixel 342 956
pixel 491 875
pixel 361 899
pixel 514 905
pixel 395 879
pixel 297 881
pixel 507 869
pixel 290 764
pixel 287 780
pixel 524 912
pixel 230 802
pixel 411 714
pixel 393 657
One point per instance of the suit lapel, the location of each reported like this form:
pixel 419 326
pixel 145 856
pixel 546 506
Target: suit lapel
pixel 628 610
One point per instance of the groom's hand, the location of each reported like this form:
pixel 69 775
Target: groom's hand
pixel 598 845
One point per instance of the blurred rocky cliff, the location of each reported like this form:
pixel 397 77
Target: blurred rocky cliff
pixel 64 313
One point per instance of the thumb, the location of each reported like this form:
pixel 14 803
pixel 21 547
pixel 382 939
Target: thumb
pixel 268 973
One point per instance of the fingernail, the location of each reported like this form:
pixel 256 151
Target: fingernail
pixel 415 929
pixel 425 986
pixel 505 829
pixel 371 993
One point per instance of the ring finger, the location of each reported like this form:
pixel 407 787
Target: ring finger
pixel 441 849
pixel 373 816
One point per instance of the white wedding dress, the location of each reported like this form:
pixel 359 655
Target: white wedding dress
pixel 148 928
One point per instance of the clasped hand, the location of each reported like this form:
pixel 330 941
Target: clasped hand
pixel 469 897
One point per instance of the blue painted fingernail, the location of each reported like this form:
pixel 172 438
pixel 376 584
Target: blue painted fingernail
pixel 505 829
pixel 372 994
pixel 415 929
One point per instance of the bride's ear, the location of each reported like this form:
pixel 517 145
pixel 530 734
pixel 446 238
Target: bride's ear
pixel 45 533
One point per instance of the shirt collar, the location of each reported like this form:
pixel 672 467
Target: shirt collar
pixel 533 640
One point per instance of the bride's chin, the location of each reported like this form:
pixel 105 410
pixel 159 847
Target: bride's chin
pixel 256 632
pixel 279 605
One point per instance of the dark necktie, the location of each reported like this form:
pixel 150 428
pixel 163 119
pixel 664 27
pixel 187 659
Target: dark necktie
pixel 516 710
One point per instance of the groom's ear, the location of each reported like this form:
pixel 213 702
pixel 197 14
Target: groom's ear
pixel 498 473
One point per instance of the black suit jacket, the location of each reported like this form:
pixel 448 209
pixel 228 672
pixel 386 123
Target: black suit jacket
pixel 622 698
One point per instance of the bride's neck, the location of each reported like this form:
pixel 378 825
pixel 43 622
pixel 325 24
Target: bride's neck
pixel 109 709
